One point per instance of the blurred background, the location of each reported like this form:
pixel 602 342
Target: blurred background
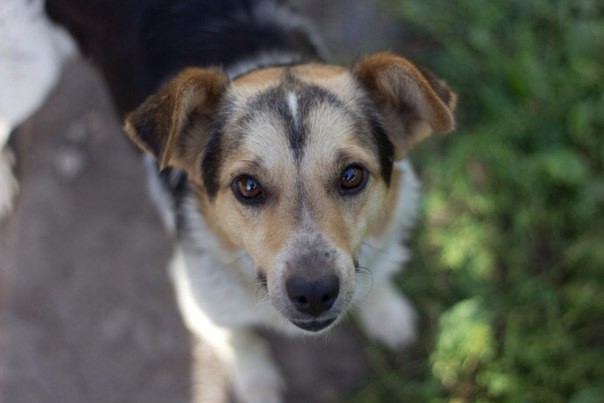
pixel 508 271
pixel 508 256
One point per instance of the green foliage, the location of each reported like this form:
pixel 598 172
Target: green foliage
pixel 508 271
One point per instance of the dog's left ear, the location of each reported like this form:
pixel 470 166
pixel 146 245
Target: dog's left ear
pixel 172 124
pixel 412 101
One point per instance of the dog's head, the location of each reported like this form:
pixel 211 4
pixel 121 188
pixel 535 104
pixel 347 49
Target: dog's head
pixel 294 164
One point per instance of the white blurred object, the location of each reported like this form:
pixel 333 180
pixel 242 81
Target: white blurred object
pixel 32 52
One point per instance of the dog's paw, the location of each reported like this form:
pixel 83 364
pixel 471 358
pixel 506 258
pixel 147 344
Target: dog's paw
pixel 259 387
pixel 8 183
pixel 388 317
pixel 258 382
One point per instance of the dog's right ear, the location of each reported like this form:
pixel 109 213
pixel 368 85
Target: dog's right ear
pixel 172 124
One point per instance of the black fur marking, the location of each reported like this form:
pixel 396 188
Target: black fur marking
pixel 261 279
pixel 146 128
pixel 140 44
pixel 275 100
pixel 302 204
pixel 174 181
pixel 385 149
pixel 212 160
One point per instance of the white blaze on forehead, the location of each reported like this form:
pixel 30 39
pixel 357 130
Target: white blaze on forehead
pixel 292 102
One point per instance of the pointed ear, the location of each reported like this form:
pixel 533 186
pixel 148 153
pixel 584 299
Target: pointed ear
pixel 412 101
pixel 172 124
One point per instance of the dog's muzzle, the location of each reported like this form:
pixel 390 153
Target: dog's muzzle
pixel 311 285
pixel 313 297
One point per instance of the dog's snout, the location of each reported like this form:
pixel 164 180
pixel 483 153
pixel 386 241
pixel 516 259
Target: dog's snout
pixel 313 296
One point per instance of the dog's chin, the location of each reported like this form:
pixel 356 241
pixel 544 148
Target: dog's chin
pixel 314 325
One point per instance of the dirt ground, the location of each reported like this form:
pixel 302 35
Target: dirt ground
pixel 87 313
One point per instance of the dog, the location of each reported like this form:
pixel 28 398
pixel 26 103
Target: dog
pixel 32 52
pixel 283 178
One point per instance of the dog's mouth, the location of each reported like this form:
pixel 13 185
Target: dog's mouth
pixel 313 325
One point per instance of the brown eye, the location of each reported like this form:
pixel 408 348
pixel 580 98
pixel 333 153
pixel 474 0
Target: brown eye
pixel 352 179
pixel 248 190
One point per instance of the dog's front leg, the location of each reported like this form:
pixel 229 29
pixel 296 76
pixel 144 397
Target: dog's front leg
pixel 387 316
pixel 243 357
pixel 253 375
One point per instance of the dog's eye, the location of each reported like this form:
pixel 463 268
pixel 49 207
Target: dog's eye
pixel 247 190
pixel 352 179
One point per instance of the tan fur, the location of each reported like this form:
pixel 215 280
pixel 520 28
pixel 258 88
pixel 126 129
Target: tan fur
pixel 260 78
pixel 381 223
pixel 212 221
pixel 267 76
pixel 412 101
pixel 316 71
pixel 337 80
pixel 194 91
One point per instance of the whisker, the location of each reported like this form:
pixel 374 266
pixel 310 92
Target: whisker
pixel 365 243
pixel 262 294
pixel 377 248
pixel 235 260
pixel 364 283
pixel 261 281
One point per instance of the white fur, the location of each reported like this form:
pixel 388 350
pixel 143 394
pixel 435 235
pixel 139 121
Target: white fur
pixel 216 319
pixel 385 255
pixel 388 317
pixel 8 183
pixel 159 195
pixel 32 51
pixel 292 102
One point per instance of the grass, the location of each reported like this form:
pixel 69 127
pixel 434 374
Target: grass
pixel 508 270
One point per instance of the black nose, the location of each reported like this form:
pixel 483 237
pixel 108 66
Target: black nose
pixel 312 296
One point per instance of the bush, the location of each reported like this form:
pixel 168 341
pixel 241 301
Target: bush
pixel 508 272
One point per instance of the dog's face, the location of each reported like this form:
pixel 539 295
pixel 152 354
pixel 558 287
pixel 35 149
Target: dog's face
pixel 294 164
